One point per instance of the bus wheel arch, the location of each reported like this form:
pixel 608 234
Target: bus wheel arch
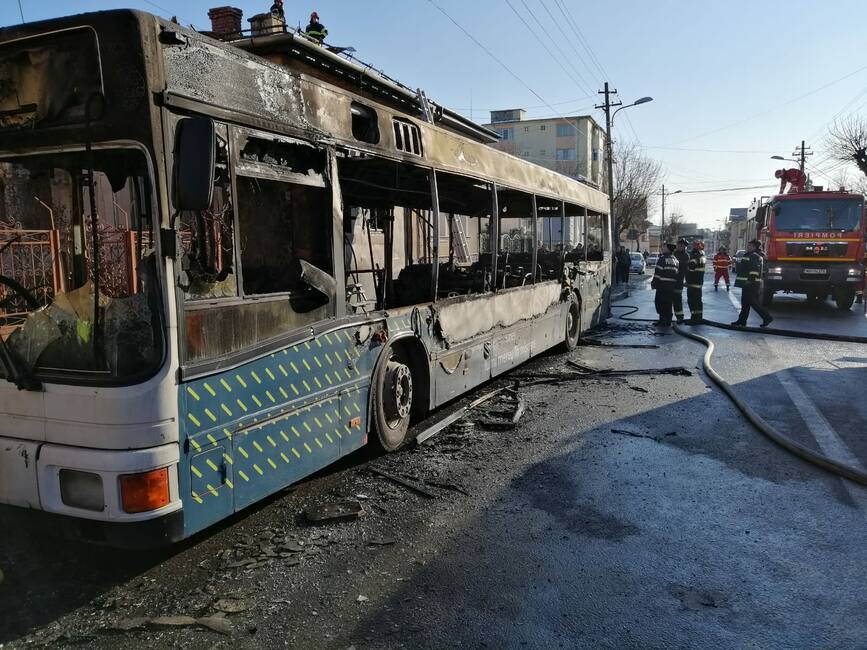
pixel 400 392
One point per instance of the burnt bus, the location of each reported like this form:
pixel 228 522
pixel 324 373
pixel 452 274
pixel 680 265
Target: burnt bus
pixel 225 265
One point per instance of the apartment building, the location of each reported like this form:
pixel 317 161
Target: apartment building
pixel 574 146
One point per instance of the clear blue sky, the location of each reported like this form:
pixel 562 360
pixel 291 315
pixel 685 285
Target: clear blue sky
pixel 723 74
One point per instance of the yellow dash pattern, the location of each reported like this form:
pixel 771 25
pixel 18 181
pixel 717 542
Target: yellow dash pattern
pixel 306 345
pixel 295 451
pixel 272 464
pixel 282 369
pixel 241 381
pixel 242 405
pixel 230 484
pixel 318 422
pixel 294 390
pixel 356 407
pixel 228 433
pixel 338 434
pixel 318 343
pixel 195 471
pixel 329 438
pixel 317 442
pixel 226 410
pixel 296 432
pixel 271 440
pixel 212 490
pixel 195 445
pixel 243 475
pixel 194 419
pixel 270 396
pixel 307 447
pixel 197 498
pixel 307 426
pixel 193 393
pixel 212 440
pixel 228 459
pixel 258 469
pixel 270 374
pixel 258 447
pixel 318 383
pixel 212 465
pixel 306 365
pixel 256 399
pixel 284 393
pixel 294 367
pixel 255 377
pixel 226 385
pixel 209 389
pixel 328 339
pixel 243 452
pixel 284 457
pixel 284 436
pixel 328 359
pixel 306 385
pixel 211 415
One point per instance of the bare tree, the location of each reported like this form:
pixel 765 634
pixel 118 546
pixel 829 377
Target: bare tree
pixel 636 178
pixel 847 141
pixel 673 225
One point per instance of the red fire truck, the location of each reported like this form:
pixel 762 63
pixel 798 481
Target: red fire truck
pixel 814 240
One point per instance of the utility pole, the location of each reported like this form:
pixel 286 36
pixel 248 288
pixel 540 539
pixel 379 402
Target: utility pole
pixel 607 106
pixel 801 153
pixel 662 223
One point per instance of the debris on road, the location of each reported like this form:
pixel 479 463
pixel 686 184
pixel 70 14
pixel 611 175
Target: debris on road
pixel 218 623
pixel 583 370
pixel 412 485
pixel 362 599
pixel 602 344
pixel 231 605
pixel 635 434
pixel 334 511
pixel 449 486
pixel 454 417
pixel 507 419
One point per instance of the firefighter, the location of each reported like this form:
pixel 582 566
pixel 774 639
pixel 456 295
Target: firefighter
pixel 749 279
pixel 682 262
pixel 722 262
pixel 695 282
pixel 315 29
pixel 277 10
pixel 665 279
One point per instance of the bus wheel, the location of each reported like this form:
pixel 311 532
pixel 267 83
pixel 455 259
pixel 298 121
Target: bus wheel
pixel 392 401
pixel 844 299
pixel 573 324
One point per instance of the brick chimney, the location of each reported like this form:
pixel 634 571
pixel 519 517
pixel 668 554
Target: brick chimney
pixel 226 22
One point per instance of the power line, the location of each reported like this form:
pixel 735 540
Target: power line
pixel 493 56
pixel 732 151
pixel 526 108
pixel 729 189
pixel 582 84
pixel 774 109
pixel 566 39
pixel 570 20
pixel 21 11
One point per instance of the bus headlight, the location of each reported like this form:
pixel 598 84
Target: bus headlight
pixel 777 270
pixel 854 273
pixel 81 490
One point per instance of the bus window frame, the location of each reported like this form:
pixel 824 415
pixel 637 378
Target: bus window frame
pixel 335 311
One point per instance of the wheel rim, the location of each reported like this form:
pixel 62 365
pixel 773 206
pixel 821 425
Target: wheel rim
pixel 397 393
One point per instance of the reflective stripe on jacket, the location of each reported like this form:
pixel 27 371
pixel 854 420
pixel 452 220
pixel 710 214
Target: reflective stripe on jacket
pixel 666 274
pixel 695 270
pixel 721 261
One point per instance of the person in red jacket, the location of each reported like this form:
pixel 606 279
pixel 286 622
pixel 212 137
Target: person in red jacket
pixel 722 262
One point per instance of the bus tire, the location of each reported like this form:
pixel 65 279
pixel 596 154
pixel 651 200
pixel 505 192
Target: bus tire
pixel 573 324
pixel 844 298
pixel 392 397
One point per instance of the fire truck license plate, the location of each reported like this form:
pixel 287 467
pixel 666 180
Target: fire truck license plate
pixel 816 271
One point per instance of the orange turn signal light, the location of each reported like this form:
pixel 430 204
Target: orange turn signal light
pixel 145 491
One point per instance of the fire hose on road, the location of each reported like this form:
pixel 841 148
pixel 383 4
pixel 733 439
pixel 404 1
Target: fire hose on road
pixel 820 460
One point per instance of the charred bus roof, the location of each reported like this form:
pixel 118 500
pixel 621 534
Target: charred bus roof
pixel 279 83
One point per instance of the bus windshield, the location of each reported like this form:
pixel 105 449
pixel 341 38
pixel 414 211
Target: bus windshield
pixel 50 320
pixel 819 214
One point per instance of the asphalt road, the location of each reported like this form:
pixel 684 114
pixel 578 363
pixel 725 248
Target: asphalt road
pixel 634 513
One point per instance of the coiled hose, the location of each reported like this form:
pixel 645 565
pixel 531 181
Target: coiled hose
pixel 796 448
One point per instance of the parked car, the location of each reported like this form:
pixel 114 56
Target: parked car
pixel 636 263
pixel 652 259
pixel 739 255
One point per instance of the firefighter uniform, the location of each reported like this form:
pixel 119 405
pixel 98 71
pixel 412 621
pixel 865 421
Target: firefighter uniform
pixel 694 283
pixel 315 29
pixel 722 262
pixel 749 278
pixel 682 262
pixel 665 279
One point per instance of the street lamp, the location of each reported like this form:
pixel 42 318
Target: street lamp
pixel 662 223
pixel 781 158
pixel 609 119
